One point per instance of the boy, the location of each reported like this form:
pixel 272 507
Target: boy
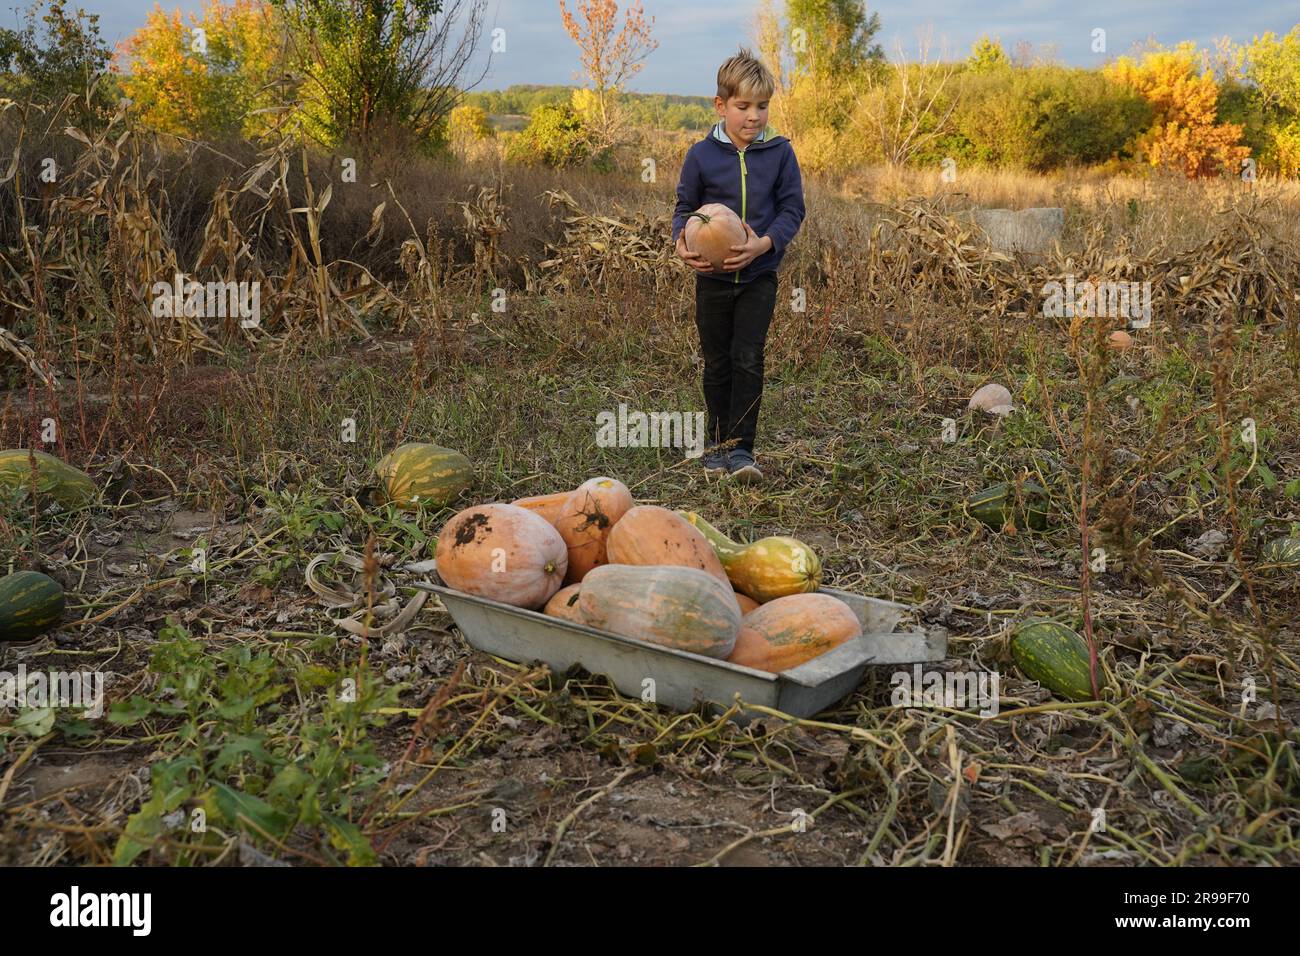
pixel 746 166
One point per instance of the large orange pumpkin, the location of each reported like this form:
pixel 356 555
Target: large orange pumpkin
pixel 711 231
pixel 746 603
pixel 504 553
pixel 548 506
pixel 789 631
pixel 586 519
pixel 564 604
pixel 683 608
pixel 650 535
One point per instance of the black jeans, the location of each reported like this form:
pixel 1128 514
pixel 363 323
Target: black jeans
pixel 733 319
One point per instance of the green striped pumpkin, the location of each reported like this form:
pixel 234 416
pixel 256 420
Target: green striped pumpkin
pixel 1053 655
pixel 420 474
pixel 1284 552
pixel 997 505
pixel 31 603
pixel 70 487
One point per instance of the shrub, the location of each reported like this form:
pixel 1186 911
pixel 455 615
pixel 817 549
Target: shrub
pixel 54 55
pixel 555 136
pixel 1044 117
pixel 469 123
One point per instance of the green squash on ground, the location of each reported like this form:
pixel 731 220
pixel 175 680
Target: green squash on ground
pixel 999 504
pixel 31 603
pixel 1053 655
pixel 55 478
pixel 1284 552
pixel 420 474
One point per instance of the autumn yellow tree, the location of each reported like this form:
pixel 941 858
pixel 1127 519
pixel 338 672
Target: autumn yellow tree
pixel 208 78
pixel 1185 133
pixel 609 59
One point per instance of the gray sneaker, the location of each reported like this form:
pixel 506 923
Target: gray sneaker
pixel 715 461
pixel 740 465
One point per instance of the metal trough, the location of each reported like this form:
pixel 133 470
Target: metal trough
pixel 682 679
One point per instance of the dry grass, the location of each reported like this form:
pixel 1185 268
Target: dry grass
pixel 230 438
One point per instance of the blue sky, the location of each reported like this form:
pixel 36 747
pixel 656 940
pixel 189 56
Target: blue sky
pixel 695 36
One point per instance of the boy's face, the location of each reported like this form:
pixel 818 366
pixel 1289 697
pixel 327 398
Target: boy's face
pixel 744 115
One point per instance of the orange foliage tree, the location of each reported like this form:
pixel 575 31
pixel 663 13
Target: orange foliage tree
pixel 207 79
pixel 609 59
pixel 1185 132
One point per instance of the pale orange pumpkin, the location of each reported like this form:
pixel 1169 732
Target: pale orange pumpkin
pixel 992 398
pixel 790 631
pixel 564 604
pixel 711 231
pixel 503 553
pixel 548 506
pixel 585 521
pixel 649 535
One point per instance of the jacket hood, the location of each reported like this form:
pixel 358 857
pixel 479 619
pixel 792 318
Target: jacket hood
pixel 768 137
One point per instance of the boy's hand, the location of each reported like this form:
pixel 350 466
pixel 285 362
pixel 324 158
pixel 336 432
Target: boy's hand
pixel 751 250
pixel 692 259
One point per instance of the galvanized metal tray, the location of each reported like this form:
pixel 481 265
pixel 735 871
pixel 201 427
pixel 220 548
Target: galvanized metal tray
pixel 681 680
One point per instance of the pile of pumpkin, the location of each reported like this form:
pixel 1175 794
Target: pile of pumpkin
pixel 595 557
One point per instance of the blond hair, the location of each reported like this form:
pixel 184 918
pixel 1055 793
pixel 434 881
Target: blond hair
pixel 744 73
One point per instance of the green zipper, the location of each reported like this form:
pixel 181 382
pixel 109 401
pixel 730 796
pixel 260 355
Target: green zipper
pixel 743 198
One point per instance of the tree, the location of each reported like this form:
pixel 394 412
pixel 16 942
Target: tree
pixel 908 107
pixel 63 54
pixel 834 36
pixel 1185 134
pixel 609 59
pixel 381 74
pixel 987 55
pixel 1261 92
pixel 821 58
pixel 1273 65
pixel 209 79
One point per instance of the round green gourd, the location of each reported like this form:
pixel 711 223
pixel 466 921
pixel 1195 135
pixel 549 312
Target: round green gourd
pixel 996 505
pixel 31 603
pixel 1284 552
pixel 1053 655
pixel 419 473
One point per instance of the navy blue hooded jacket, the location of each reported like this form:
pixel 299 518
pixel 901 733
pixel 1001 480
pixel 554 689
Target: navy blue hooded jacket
pixel 761 185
